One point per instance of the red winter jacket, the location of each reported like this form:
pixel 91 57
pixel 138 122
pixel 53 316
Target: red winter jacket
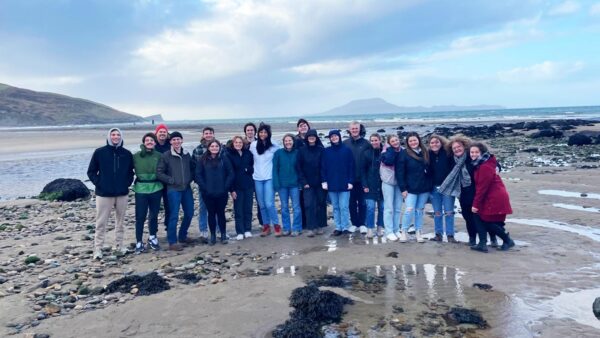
pixel 491 197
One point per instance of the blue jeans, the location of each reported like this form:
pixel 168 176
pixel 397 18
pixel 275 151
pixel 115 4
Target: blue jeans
pixel 341 209
pixel 202 214
pixel 415 203
pixel 176 198
pixel 443 205
pixel 284 195
pixel 392 207
pixel 370 216
pixel 266 201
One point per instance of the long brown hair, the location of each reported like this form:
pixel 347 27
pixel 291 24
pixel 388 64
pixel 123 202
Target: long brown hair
pixel 443 142
pixel 412 153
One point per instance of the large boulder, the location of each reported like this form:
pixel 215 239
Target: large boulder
pixel 579 139
pixel 550 132
pixel 596 307
pixel 65 189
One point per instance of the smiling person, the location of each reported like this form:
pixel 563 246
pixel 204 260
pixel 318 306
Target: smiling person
pixel 357 144
pixel 242 190
pixel 491 203
pixel 208 135
pixel 415 184
pixel 111 172
pixel 214 175
pixel 440 166
pixel 249 137
pixel 392 196
pixel 176 170
pixel 163 145
pixel 148 191
pixel 285 182
pixel 371 183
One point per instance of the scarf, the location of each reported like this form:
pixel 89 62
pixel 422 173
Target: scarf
pixel 482 158
pixel 457 178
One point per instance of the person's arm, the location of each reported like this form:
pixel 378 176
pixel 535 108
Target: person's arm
pixel 388 157
pixel 229 174
pixel 324 171
pixel 299 165
pixel 484 177
pixel 400 172
pixel 351 170
pixel 276 160
pixel 162 171
pixel 130 170
pixel 364 173
pixel 93 169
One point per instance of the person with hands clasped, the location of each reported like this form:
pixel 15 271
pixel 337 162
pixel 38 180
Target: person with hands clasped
pixel 285 182
pixel 337 175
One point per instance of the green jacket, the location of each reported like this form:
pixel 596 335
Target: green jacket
pixel 284 169
pixel 145 163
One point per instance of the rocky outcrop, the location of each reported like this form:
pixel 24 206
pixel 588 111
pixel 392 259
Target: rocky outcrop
pixel 579 139
pixel 65 189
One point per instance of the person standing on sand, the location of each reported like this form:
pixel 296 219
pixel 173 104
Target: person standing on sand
pixel 249 137
pixel 263 151
pixel 176 170
pixel 371 183
pixel 337 175
pixel 148 190
pixel 285 182
pixel 491 203
pixel 111 172
pixel 300 141
pixel 242 190
pixel 392 196
pixel 214 175
pixel 308 167
pixel 208 135
pixel 163 145
pixel 357 145
pixel 414 182
pixel 440 165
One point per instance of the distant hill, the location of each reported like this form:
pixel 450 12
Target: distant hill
pixel 22 107
pixel 380 106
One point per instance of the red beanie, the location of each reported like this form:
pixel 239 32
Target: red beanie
pixel 161 126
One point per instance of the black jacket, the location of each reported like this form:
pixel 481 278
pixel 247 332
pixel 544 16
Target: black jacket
pixel 111 170
pixel 214 176
pixel 370 177
pixel 467 194
pixel 412 174
pixel 243 168
pixel 164 148
pixel 308 165
pixel 358 147
pixel 176 170
pixel 440 165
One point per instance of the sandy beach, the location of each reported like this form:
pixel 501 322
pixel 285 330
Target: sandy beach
pixel 545 287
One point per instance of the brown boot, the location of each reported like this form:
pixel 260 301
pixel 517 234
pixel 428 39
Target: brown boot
pixel 266 231
pixel 175 247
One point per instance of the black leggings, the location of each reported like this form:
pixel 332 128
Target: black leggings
pixel 215 205
pixel 493 228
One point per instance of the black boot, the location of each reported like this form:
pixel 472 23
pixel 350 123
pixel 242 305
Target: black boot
pixel 224 238
pixel 472 241
pixel 213 238
pixel 508 243
pixel 481 247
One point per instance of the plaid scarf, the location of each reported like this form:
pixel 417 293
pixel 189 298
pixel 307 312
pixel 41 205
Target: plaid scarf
pixel 457 178
pixel 482 158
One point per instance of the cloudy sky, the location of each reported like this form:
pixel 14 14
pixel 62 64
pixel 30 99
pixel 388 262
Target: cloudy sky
pixel 194 59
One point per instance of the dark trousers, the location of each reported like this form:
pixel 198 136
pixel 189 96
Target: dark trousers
pixel 242 207
pixel 358 207
pixel 258 215
pixel 315 206
pixel 303 209
pixel 215 205
pixel 493 228
pixel 165 199
pixel 146 205
pixel 467 214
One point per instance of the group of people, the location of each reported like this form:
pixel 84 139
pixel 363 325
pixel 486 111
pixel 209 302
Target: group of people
pixel 367 181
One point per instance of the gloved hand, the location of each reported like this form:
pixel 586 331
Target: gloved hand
pixel 350 186
pixel 324 185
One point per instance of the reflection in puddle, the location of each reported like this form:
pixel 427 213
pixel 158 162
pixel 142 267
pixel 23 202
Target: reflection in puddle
pixel 282 270
pixel 331 245
pixel 288 255
pixel 589 232
pixel 575 207
pixel 563 193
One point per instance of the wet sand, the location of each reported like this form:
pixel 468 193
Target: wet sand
pixel 545 287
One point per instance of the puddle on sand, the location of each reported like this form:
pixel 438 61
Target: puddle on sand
pixel 563 193
pixel 589 232
pixel 575 207
pixel 413 299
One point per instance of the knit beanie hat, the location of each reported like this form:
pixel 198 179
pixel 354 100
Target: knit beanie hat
pixel 159 127
pixel 176 134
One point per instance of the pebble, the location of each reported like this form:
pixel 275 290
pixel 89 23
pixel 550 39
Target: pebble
pixel 134 291
pixel 52 308
pixel 94 300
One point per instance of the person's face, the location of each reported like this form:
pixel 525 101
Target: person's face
pixel 250 132
pixel 149 143
pixel 302 128
pixel 413 142
pixel 435 145
pixel 312 140
pixel 208 135
pixel 288 143
pixel 263 135
pixel 474 152
pixel 176 142
pixel 395 142
pixel 214 148
pixel 375 142
pixel 458 149
pixel 162 135
pixel 334 138
pixel 354 130
pixel 115 137
pixel 238 144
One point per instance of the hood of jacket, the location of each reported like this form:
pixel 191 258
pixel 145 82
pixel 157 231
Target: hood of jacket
pixel 109 142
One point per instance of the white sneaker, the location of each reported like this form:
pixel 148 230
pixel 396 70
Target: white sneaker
pixel 420 237
pixel 352 228
pixel 403 237
pixel 392 237
pixel 204 234
pixel 97 254
pixel 239 237
pixel 369 233
pixel 363 229
pixel 397 233
pixel 380 231
pixel 247 234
